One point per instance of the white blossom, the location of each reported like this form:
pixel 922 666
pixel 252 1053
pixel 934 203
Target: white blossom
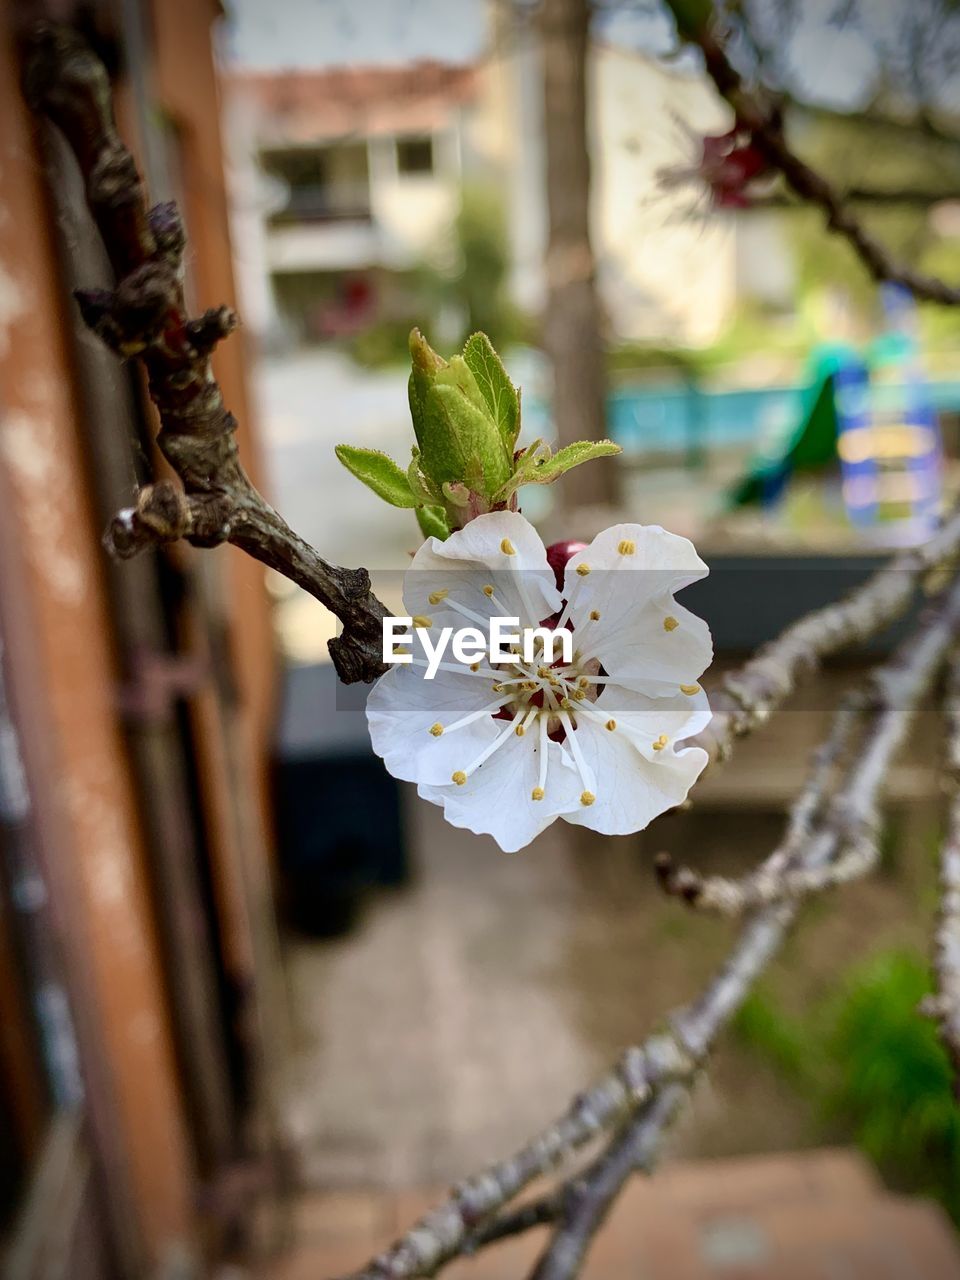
pixel 507 748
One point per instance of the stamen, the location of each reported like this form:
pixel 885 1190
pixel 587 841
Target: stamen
pixel 459 777
pixel 611 725
pixel 670 623
pixel 488 590
pixel 627 547
pixel 507 547
pixel 495 745
pixel 532 714
pixel 436 729
pixel 586 773
pixel 661 742
pixel 689 689
pixel 583 570
pixel 473 670
pixel 587 797
pixel 542 747
pixel 436 596
pixel 488 710
pixel 467 613
pixel 594 615
pixel 421 620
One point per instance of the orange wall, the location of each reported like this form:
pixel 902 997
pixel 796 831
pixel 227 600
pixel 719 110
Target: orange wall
pixel 93 797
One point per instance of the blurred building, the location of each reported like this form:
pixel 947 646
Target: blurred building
pixel 344 178
pixel 135 701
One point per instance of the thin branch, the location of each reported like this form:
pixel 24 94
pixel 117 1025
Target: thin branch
pixel 145 317
pixel 748 696
pixel 944 1004
pixel 590 1198
pixel 454 1226
pixel 651 1080
pixel 731 897
pixel 901 685
pixel 761 114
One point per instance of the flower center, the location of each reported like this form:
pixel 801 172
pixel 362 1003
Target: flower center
pixel 541 697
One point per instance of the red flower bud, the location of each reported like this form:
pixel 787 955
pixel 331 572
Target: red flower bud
pixel 558 553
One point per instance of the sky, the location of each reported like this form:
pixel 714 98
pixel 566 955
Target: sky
pixel 318 33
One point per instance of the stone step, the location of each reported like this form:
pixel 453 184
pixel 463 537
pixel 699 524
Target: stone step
pixel 819 1215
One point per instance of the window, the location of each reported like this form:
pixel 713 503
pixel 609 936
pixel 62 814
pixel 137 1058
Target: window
pixel 322 183
pixel 414 156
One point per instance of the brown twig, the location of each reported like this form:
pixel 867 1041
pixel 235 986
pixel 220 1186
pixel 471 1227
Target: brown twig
pixel 944 1004
pixel 748 696
pixel 145 317
pixel 761 114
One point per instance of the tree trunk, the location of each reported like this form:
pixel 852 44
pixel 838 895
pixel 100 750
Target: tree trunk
pixel 571 328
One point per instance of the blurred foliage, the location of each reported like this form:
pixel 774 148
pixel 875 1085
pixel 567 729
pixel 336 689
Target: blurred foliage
pixel 875 1070
pixel 452 304
pixel 859 154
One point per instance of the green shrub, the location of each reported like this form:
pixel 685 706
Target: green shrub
pixel 874 1069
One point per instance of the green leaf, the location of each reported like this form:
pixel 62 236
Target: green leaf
pixel 460 441
pixel 425 365
pixel 498 391
pixel 547 470
pixel 379 473
pixel 433 523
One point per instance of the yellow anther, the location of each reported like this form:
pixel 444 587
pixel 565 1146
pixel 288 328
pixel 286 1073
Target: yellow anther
pixel 611 725
pixel 421 620
pixel 583 570
pixel 507 547
pixel 498 688
pixel 594 615
pixel 436 596
pixel 626 547
pixel 584 682
pixel 670 624
pixel 488 590
pixel 661 742
pixel 689 689
pixel 474 666
pixel 579 695
pixel 543 673
pixel 459 777
pixel 519 731
pixel 565 704
pixel 536 793
pixel 587 797
pixel 436 729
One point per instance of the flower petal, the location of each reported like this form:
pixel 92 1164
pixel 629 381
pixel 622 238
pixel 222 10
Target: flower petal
pixel 403 707
pixel 632 623
pixel 496 800
pixel 647 720
pixel 500 549
pixel 631 790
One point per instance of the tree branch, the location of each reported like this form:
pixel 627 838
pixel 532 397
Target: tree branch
pixel 761 114
pixel 646 1089
pixel 145 317
pixel 748 696
pixel 901 684
pixel 944 1004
